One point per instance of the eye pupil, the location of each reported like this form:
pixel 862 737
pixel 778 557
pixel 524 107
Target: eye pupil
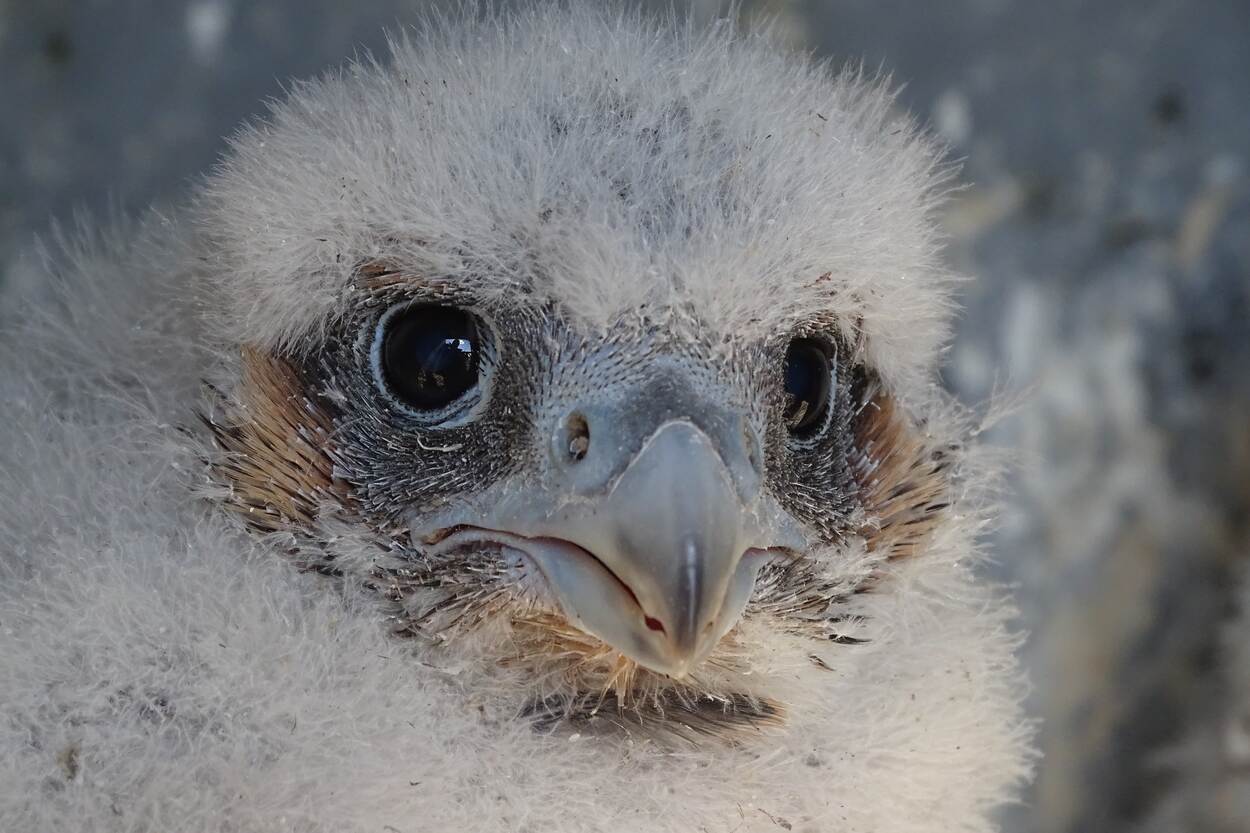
pixel 430 355
pixel 808 379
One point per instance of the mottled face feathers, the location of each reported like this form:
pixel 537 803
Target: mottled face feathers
pixel 313 442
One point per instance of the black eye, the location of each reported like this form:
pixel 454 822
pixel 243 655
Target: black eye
pixel 808 378
pixel 429 355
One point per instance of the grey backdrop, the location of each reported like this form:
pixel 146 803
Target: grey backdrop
pixel 1107 220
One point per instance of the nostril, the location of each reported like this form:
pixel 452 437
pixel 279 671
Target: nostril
pixel 655 624
pixel 577 436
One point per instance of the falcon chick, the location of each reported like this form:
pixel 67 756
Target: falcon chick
pixel 536 432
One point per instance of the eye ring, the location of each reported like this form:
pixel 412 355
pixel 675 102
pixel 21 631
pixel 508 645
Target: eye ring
pixel 431 360
pixel 807 382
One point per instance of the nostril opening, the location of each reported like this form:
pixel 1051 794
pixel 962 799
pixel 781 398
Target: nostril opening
pixel 655 624
pixel 577 432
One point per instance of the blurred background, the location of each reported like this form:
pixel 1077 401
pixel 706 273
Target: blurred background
pixel 1106 152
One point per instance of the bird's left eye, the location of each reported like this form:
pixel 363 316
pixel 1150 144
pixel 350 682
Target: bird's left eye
pixel 808 380
pixel 429 355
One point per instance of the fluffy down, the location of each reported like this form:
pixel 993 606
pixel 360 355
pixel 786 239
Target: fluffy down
pixel 163 670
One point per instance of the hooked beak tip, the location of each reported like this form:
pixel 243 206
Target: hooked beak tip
pixel 662 564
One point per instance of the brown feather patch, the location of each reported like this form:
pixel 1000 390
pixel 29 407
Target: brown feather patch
pixel 275 444
pixel 378 274
pixel 903 479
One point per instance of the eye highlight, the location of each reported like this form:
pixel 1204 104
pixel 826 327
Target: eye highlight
pixel 429 356
pixel 808 382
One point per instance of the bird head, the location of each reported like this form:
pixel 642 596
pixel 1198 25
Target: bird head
pixel 596 348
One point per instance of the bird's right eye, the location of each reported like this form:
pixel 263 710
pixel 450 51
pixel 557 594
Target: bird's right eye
pixel 429 356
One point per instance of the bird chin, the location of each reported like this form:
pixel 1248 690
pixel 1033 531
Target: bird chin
pixel 567 679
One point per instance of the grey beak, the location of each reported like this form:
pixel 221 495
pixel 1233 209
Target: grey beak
pixel 645 513
pixel 661 566
pixel 671 530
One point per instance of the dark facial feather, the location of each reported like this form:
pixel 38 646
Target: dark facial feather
pixel 304 436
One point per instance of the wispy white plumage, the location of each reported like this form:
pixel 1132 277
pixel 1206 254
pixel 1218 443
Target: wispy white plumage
pixel 164 669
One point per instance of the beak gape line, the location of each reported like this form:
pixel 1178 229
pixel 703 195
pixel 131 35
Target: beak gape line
pixel 655 553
